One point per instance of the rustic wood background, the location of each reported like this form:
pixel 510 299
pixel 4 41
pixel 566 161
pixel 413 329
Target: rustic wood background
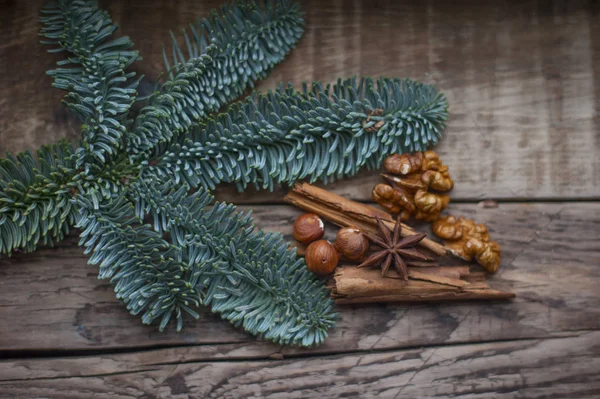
pixel 522 80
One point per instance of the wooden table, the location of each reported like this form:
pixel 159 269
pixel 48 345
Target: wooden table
pixel 523 83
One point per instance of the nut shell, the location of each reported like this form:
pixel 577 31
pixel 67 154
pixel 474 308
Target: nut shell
pixel 351 243
pixel 308 228
pixel 321 257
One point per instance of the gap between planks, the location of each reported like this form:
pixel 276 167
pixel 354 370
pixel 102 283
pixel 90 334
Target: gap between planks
pixel 266 351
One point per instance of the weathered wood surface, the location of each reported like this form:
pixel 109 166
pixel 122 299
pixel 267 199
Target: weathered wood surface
pixel 519 77
pixel 565 367
pixel 521 80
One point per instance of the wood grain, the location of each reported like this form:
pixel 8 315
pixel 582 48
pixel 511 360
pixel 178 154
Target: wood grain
pixel 519 77
pixel 551 368
pixel 521 80
pixel 56 303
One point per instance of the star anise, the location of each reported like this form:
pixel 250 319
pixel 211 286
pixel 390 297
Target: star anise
pixel 394 249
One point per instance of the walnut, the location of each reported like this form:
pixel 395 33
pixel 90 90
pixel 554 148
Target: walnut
pixel 394 200
pixel 469 240
pixel 411 182
pixel 438 180
pixel 432 161
pixel 429 205
pixel 403 164
pixel 416 183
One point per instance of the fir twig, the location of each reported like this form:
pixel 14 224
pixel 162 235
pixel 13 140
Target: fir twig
pixel 35 202
pixel 100 92
pixel 147 276
pixel 226 53
pixel 250 277
pixel 325 132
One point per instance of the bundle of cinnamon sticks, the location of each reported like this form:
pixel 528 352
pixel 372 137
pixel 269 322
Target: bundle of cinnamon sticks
pixel 427 282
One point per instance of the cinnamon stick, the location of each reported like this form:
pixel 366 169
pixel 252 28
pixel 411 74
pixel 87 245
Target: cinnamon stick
pixel 351 285
pixel 329 214
pixel 356 210
pixel 446 271
pixel 448 275
pixel 436 278
pixel 345 212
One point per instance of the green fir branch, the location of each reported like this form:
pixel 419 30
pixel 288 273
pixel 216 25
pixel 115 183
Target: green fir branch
pixel 36 194
pixel 35 206
pixel 325 132
pixel 226 54
pixel 100 92
pixel 138 261
pixel 251 278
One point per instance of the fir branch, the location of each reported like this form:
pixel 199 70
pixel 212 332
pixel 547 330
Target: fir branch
pixel 284 136
pixel 36 194
pixel 251 278
pixel 100 92
pixel 226 53
pixel 35 197
pixel 142 265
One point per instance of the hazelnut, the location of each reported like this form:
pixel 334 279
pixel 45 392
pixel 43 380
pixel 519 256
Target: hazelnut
pixel 308 228
pixel 321 257
pixel 351 243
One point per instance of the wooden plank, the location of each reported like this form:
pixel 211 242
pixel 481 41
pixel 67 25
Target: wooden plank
pixel 54 302
pixel 519 76
pixel 549 368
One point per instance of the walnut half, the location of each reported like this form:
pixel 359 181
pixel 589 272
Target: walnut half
pixel 468 240
pixel 416 186
pixel 394 200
